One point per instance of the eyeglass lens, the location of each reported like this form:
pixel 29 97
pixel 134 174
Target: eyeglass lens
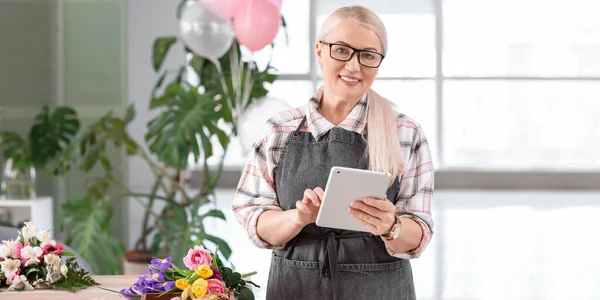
pixel 344 53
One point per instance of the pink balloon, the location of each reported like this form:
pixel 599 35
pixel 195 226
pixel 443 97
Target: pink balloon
pixel 224 9
pixel 256 23
pixel 277 3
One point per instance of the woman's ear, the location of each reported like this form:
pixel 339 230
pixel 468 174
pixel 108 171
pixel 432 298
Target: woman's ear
pixel 319 50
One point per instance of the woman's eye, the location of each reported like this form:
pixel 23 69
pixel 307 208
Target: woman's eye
pixel 368 56
pixel 342 50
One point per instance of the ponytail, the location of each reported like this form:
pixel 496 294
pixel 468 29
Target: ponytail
pixel 385 153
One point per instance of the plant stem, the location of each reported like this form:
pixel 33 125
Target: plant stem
pixel 142 243
pixel 249 274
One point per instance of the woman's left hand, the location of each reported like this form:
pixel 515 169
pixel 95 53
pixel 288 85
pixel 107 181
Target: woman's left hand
pixel 378 215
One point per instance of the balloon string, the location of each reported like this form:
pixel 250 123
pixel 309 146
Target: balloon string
pixel 236 77
pixel 249 82
pixel 224 84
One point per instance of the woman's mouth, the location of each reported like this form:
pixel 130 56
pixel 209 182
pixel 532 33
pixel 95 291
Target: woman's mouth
pixel 349 80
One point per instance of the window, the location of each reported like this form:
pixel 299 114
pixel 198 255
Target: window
pixel 496 85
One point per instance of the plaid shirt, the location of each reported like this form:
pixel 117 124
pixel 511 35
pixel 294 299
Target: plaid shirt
pixel 256 194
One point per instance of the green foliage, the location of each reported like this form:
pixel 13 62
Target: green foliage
pixel 188 119
pixel 86 223
pixel 236 281
pixel 49 136
pixel 77 278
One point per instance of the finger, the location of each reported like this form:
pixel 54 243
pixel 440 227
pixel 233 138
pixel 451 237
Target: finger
pixel 319 191
pixel 364 216
pixel 301 206
pixel 312 196
pixel 381 204
pixel 368 225
pixel 367 209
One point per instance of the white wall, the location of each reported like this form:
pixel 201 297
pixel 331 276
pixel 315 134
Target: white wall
pixel 146 20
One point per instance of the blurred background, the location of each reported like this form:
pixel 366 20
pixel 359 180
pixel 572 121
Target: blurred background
pixel 507 92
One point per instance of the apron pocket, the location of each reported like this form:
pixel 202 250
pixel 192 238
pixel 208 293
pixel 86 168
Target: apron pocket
pixel 295 263
pixel 296 280
pixel 394 265
pixel 390 280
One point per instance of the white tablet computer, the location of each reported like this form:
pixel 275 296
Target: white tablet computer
pixel 344 186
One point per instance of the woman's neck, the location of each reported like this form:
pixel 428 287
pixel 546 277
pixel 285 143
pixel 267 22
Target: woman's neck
pixel 336 109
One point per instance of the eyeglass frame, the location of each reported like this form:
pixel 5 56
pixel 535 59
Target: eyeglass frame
pixel 354 50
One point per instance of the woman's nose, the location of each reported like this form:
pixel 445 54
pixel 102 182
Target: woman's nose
pixel 352 65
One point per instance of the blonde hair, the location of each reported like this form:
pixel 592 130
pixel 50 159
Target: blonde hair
pixel 385 153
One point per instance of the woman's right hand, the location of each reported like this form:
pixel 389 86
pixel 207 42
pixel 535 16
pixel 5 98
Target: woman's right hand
pixel 307 209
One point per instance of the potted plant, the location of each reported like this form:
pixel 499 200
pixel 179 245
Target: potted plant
pixel 187 118
pixel 24 155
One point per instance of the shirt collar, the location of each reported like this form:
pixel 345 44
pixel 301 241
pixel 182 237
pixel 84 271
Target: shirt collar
pixel 319 126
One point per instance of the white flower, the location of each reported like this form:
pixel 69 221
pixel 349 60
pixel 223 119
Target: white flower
pixel 53 274
pixel 32 262
pixel 5 251
pixel 29 231
pixel 31 252
pixel 41 284
pixel 10 266
pixel 51 259
pixel 44 237
pixel 20 283
pixel 64 270
pixel 11 244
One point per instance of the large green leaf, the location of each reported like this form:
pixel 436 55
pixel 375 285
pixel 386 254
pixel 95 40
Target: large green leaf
pixel 160 49
pixel 180 125
pixel 173 235
pixel 51 133
pixel 85 222
pixel 91 144
pixel 15 147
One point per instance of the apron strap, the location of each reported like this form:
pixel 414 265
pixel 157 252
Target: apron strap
pixel 299 128
pixel 330 265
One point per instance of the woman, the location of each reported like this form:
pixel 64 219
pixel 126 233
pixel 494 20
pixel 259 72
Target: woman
pixel 279 194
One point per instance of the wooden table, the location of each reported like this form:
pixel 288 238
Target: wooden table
pixel 115 283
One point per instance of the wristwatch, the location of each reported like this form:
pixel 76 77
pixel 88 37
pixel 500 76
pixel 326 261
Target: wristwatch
pixel 394 231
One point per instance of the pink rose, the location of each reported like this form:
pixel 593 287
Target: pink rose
pixel 197 257
pixel 11 278
pixel 49 249
pixel 18 249
pixel 216 286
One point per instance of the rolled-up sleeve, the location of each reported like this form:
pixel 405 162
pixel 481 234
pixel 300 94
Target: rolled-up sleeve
pixel 416 190
pixel 255 192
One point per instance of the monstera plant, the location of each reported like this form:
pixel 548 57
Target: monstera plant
pixel 50 134
pixel 190 120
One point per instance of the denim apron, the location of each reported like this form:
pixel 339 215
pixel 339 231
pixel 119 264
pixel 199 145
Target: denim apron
pixel 325 263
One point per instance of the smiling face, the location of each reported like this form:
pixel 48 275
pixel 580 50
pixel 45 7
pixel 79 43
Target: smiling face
pixel 348 80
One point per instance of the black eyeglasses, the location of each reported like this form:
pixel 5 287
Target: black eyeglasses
pixel 343 52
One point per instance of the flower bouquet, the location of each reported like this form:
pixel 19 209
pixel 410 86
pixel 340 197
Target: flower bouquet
pixel 34 261
pixel 206 278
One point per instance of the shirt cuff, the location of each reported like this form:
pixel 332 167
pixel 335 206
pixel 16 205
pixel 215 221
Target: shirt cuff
pixel 425 239
pixel 251 228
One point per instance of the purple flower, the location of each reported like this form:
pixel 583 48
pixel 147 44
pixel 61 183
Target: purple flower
pixel 146 284
pixel 162 263
pixel 217 274
pixel 168 285
pixel 158 276
pixel 128 293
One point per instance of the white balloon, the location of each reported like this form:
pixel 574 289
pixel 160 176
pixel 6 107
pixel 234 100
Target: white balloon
pixel 252 122
pixel 203 32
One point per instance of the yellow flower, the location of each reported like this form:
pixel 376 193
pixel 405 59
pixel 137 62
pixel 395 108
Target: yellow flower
pixel 200 287
pixel 204 271
pixel 181 284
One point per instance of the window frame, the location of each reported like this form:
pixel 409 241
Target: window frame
pixel 449 178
